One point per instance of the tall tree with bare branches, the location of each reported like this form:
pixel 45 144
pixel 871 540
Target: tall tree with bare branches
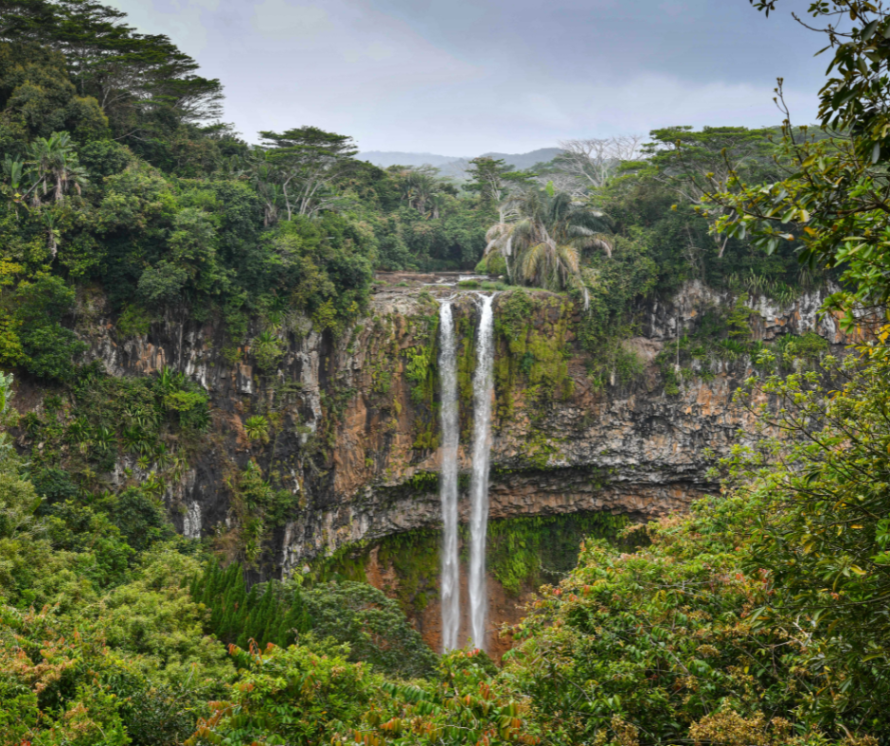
pixel 592 162
pixel 308 161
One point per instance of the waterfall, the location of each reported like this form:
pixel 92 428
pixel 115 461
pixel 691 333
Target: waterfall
pixel 450 580
pixel 483 388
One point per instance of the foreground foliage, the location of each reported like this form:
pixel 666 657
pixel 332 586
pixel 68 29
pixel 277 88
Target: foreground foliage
pixel 297 696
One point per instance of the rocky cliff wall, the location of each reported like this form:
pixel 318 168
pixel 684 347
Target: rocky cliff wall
pixel 353 420
pixel 323 448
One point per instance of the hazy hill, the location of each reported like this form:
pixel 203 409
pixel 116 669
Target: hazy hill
pixel 523 161
pixel 455 167
pixel 384 159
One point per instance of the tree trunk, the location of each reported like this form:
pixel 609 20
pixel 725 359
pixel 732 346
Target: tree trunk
pixel 287 200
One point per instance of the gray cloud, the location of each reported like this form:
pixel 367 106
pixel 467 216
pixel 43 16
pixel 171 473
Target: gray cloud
pixel 462 77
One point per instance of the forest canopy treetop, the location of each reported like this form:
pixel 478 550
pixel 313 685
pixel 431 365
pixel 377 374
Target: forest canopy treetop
pixel 133 76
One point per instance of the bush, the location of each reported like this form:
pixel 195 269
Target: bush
pixel 54 485
pixel 38 307
pixel 372 624
pixel 134 321
pixel 292 696
pixel 192 407
pixel 140 518
pixel 494 265
pixel 104 158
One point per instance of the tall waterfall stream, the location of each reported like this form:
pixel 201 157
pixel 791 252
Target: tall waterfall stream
pixel 448 490
pixel 483 390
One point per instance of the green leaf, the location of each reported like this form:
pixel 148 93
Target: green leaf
pixel 870 29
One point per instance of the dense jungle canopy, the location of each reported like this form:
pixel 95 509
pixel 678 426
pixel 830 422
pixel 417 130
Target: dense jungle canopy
pixel 759 618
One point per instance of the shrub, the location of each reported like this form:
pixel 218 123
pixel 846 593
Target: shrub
pixel 257 428
pixel 134 321
pixel 54 485
pixel 266 350
pixel 49 348
pixel 372 624
pixel 140 518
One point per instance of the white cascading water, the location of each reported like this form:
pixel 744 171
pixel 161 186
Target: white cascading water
pixel 448 487
pixel 483 389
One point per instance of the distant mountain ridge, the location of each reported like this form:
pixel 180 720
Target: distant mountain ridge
pixel 523 161
pixel 456 167
pixel 384 159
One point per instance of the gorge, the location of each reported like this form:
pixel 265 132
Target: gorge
pixel 363 432
pixel 296 449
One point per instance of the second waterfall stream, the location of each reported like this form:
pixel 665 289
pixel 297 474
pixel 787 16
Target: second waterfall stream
pixel 483 388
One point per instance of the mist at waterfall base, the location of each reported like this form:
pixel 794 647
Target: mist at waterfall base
pixel 483 389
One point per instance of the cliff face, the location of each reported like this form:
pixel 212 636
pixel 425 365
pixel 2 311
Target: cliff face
pixel 347 450
pixel 354 419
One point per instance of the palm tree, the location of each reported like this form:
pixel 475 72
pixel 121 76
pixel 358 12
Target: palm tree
pixel 56 163
pixel 16 177
pixel 52 233
pixel 423 189
pixel 544 233
pixel 257 429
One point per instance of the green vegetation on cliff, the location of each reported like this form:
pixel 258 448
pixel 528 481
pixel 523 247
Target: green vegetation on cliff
pixel 533 364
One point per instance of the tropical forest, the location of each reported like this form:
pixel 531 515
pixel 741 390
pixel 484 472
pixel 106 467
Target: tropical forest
pixel 301 445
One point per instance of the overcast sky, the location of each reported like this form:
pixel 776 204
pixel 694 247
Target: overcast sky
pixel 462 77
